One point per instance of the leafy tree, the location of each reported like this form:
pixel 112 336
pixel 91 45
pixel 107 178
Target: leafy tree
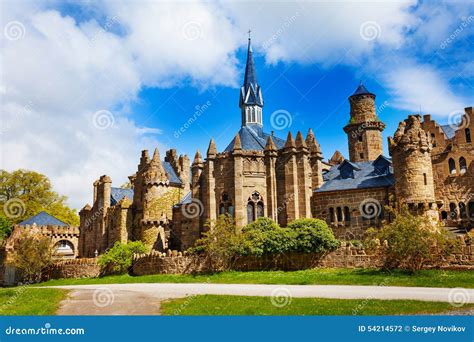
pixel 31 254
pixel 5 228
pixel 25 193
pixel 313 236
pixel 219 243
pixel 126 185
pixel 410 241
pixel 119 258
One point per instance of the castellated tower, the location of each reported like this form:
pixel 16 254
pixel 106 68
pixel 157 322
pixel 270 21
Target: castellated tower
pixel 364 130
pixel 410 149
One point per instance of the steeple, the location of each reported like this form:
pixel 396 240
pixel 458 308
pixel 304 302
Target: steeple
pixel 251 100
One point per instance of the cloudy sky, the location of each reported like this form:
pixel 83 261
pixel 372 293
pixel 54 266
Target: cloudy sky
pixel 86 85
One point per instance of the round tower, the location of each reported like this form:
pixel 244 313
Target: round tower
pixel 364 130
pixel 410 149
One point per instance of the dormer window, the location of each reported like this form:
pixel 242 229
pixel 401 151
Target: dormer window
pixel 382 165
pixel 347 169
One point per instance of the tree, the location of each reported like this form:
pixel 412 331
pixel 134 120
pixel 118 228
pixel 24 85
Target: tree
pixel 25 193
pixel 412 241
pixel 313 236
pixel 6 228
pixel 219 243
pixel 31 254
pixel 119 258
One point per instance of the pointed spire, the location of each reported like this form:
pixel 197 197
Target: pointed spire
pixel 156 156
pixel 300 143
pixel 250 73
pixel 212 150
pixel 197 158
pixel 237 143
pixel 312 143
pixel 270 146
pixel 290 142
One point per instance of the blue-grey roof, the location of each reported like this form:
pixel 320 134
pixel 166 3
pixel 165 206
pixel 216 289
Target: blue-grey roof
pixel 371 174
pixel 250 77
pixel 186 199
pixel 250 93
pixel 362 90
pixel 253 138
pixel 172 176
pixel 43 219
pixel 449 131
pixel 116 194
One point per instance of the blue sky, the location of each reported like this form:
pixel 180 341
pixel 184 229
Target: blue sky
pixel 88 84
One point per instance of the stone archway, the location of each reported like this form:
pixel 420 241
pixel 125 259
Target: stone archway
pixel 64 249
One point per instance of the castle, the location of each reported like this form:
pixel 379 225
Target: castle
pixel 431 171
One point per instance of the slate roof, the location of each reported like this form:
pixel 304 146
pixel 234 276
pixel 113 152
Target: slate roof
pixel 250 92
pixel 116 194
pixel 253 138
pixel 172 176
pixel 371 174
pixel 449 131
pixel 186 199
pixel 361 90
pixel 43 219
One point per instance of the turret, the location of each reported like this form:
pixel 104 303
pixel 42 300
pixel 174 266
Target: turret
pixel 364 130
pixel 197 168
pixel 410 149
pixel 315 160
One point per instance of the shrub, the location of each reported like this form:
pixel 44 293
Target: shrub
pixel 31 254
pixel 6 228
pixel 119 258
pixel 219 243
pixel 410 241
pixel 313 236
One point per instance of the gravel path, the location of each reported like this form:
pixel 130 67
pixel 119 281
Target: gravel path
pixel 144 299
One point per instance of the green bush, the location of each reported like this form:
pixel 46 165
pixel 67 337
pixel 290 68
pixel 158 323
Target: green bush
pixel 410 241
pixel 313 236
pixel 6 228
pixel 119 258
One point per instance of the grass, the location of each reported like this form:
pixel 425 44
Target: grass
pixel 30 301
pixel 323 276
pixel 244 305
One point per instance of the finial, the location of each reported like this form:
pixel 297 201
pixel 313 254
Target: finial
pixel 249 31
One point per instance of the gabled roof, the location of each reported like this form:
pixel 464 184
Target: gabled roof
pixel 365 175
pixel 116 194
pixel 253 138
pixel 172 176
pixel 43 219
pixel 449 131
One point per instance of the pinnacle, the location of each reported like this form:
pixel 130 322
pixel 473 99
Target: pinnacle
pixel 237 143
pixel 290 142
pixel 212 150
pixel 299 140
pixel 270 146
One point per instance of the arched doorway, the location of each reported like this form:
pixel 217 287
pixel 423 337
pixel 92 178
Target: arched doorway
pixel 64 249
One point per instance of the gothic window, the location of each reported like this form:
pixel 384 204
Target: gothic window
pixel 225 207
pixel 347 215
pixel 331 215
pixel 467 132
pixel 452 211
pixel 339 214
pixel 221 209
pixel 230 210
pixel 253 114
pixel 250 217
pixel 452 166
pixel 462 165
pixel 259 209
pixel 433 140
pixel 462 210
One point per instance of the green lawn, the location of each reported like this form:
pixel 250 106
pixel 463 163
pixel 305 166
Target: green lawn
pixel 243 305
pixel 326 276
pixel 29 301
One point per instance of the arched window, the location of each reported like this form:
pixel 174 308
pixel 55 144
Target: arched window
pixel 462 165
pixel 444 215
pixel 467 132
pixel 462 210
pixel 64 248
pixel 339 214
pixel 433 140
pixel 452 166
pixel 253 114
pixel 331 215
pixel 347 215
pixel 230 210
pixel 250 216
pixel 259 209
pixel 452 211
pixel 225 206
pixel 221 209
